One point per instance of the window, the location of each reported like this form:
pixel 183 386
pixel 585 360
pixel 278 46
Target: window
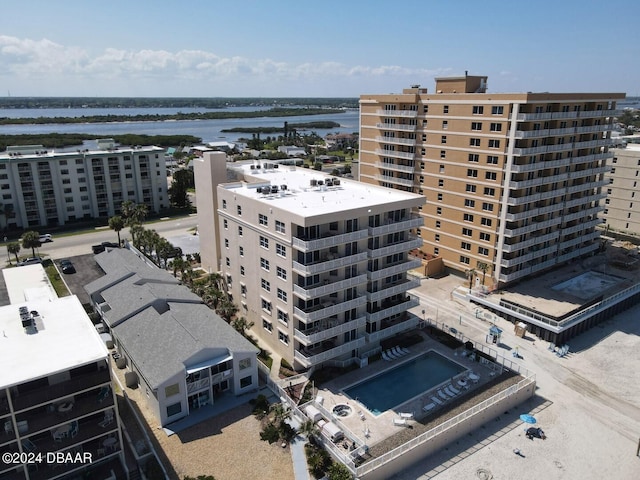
pixel 443 139
pixel 468 217
pixel 445 109
pixel 492 160
pixel 282 273
pixel 239 231
pixel 439 197
pixel 439 211
pixel 497 110
pixel 264 242
pixel 171 390
pixel 263 220
pixel 465 246
pixel 266 305
pixel 242 270
pixel 477 126
pixel 267 325
pixel 281 250
pixel 265 284
pixel 467 232
pixel 437 237
pixel 283 337
pixel 224 204
pixel 225 224
pixel 474 157
pixel 64 171
pixel 264 264
pixel 174 409
pixel 441 182
pixel 244 363
pixel 489 191
pixel 488 207
pixel 495 127
pixel 246 382
pixel 470 188
pixel 443 153
pixel 228 262
pixel 494 143
pixel 280 227
pixel 445 124
pixel 474 142
pixel 283 316
pixel 243 290
pixel 485 236
pixel 483 251
pixel 282 295
pixel 486 222
pixel 425 109
pixel 441 168
pixel 469 203
pixel 471 172
pixel 478 109
pixel 239 209
pixel 464 259
pixel 241 251
pixel 226 243
pixel 490 175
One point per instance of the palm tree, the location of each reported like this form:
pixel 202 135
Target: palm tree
pixel 309 429
pixel 14 247
pixel 136 232
pixel 470 275
pixel 31 239
pixel 226 309
pixel 116 223
pixel 241 325
pixel 178 264
pixel 483 267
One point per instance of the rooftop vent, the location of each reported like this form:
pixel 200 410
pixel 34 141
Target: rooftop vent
pixel 313 182
pixel 259 189
pixel 336 181
pixel 275 165
pixel 320 182
pixel 283 187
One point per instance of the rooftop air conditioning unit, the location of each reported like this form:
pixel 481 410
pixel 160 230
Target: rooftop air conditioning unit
pixel 275 165
pixel 283 187
pixel 253 167
pixel 313 182
pixel 274 188
pixel 259 189
pixel 320 182
pixel 336 181
pixel 329 183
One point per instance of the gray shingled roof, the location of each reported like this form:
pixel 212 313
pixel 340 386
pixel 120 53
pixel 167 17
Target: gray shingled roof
pixel 162 325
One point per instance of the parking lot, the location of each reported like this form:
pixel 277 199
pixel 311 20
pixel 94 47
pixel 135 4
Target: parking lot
pixel 87 270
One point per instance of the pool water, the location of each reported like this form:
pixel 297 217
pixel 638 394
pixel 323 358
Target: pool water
pixel 398 385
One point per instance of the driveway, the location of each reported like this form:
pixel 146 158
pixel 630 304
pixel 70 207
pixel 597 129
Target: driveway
pixel 87 270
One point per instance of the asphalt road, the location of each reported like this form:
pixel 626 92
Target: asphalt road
pixel 74 245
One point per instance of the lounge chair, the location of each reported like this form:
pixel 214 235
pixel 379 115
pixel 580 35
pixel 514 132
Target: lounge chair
pixel 436 400
pixel 406 415
pixel 392 355
pixel 443 395
pixel 399 422
pixel 448 392
pixel 405 350
pixel 454 389
pixel 361 415
pixel 396 350
pixel 552 347
pixel 385 357
pixel 428 407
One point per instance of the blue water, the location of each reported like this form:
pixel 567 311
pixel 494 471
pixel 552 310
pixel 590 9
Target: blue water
pixel 394 387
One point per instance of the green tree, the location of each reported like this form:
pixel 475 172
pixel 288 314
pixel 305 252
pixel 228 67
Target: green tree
pixel 471 274
pixel 14 248
pixel 116 223
pixel 483 267
pixel 337 471
pixel 182 181
pixel 241 325
pixel 310 430
pixel 226 309
pixel 136 232
pixel 133 213
pixel 31 239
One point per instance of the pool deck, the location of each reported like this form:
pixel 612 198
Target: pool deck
pixel 382 426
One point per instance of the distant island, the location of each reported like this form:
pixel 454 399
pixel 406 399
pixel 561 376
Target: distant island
pixel 63 140
pixel 274 112
pixel 295 126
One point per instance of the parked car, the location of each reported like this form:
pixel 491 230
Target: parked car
pixel 103 246
pixel 30 261
pixel 67 267
pixel 46 238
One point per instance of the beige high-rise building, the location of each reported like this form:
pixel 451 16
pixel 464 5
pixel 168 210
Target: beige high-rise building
pixel 513 181
pixel 623 191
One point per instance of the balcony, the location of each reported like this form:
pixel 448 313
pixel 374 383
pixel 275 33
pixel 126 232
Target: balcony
pixel 309 357
pixel 331 239
pixel 530 167
pixel 397 113
pixel 535 197
pixel 395 154
pixel 405 246
pixel 389 270
pixel 582 213
pixel 534 212
pixel 582 226
pixel 513 247
pixel 403 127
pixel 393 289
pixel 396 167
pixel 514 232
pixel 329 287
pixel 330 263
pixel 603 142
pixel 327 309
pixel 394 328
pixel 392 226
pixel 580 239
pixel 517 185
pixel 198 385
pixel 511 262
pixel 332 329
pixel 561 132
pixel 528 117
pixel 389 310
pixel 397 140
pixel 392 179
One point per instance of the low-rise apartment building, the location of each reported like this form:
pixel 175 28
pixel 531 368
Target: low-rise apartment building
pixel 514 182
pixel 174 347
pixel 40 187
pixel 318 264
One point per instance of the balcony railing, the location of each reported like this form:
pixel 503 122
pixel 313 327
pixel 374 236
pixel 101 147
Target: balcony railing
pixel 401 267
pixel 318 355
pixel 329 264
pixel 508 248
pixel 517 185
pixel 511 262
pixel 395 167
pixel 329 287
pixel 556 132
pixel 529 167
pixel 396 140
pixel 393 289
pixel 394 153
pixel 396 126
pixel 318 334
pixel 392 226
pixel 527 117
pixel 327 309
pixel 330 240
pixel 197 385
pixel 603 142
pixel 397 113
pixel 409 324
pixel 534 212
pixel 410 244
pixel 394 310
pixel 392 179
pixel 514 232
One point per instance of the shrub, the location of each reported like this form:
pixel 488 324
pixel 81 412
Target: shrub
pixel 270 433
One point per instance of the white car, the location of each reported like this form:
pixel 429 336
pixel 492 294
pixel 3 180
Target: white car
pixel 45 238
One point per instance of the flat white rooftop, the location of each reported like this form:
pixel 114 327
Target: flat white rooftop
pixel 28 283
pixel 304 198
pixel 65 339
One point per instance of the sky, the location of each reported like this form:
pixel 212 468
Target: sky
pixel 303 48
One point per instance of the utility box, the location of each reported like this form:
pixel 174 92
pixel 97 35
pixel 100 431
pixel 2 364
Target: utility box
pixel 520 329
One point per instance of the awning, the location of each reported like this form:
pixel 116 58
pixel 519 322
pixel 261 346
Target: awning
pixel 209 363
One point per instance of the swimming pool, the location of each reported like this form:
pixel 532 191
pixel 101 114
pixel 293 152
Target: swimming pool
pixel 394 387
